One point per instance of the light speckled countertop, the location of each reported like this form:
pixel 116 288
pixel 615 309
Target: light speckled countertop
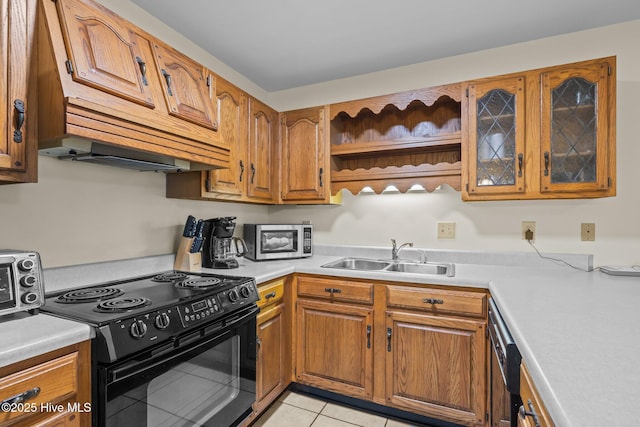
pixel 573 328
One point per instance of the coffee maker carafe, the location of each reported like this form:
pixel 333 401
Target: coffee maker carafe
pixel 220 248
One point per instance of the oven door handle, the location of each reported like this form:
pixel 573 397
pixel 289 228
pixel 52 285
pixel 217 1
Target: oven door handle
pixel 162 361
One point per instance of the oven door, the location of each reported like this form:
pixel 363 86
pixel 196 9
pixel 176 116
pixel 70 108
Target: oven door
pixel 209 380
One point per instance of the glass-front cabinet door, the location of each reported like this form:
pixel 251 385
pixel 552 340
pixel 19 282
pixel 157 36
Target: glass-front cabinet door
pixel 497 136
pixel 574 129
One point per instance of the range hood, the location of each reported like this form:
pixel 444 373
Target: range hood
pixel 103 100
pixel 84 150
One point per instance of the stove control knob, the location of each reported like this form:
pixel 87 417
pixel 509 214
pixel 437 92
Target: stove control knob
pixel 162 321
pixel 233 295
pixel 138 329
pixel 245 292
pixel 26 264
pixel 28 281
pixel 29 298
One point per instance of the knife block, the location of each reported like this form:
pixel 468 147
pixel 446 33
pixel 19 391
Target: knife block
pixel 185 260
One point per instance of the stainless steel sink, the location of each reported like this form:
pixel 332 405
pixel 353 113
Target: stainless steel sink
pixel 358 264
pixel 419 268
pixel 368 264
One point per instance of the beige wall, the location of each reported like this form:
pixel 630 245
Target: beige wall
pixel 493 225
pixel 81 213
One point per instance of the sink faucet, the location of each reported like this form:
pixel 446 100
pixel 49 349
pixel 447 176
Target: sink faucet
pixel 396 250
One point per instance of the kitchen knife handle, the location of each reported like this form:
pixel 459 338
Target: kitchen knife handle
pixel 143 70
pixel 167 78
pixel 18 106
pixel 241 170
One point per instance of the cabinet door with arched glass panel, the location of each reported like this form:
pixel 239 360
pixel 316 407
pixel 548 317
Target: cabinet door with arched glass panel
pixel 496 136
pixel 574 129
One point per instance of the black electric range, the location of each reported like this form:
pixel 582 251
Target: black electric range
pixel 136 314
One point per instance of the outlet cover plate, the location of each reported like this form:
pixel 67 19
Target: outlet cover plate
pixel 588 232
pixel 446 230
pixel 528 225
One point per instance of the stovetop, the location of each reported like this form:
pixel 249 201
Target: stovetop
pixel 105 303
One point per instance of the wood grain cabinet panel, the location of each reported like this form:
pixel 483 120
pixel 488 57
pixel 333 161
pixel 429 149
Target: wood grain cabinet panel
pixel 233 126
pixel 18 92
pixel 333 348
pixel 533 413
pixel 304 144
pixel 189 89
pixel 105 53
pixel 436 366
pixel 61 378
pixel 263 143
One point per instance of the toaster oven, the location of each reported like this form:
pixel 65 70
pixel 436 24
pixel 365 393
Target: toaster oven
pixel 21 282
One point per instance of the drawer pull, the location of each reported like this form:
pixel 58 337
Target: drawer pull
pixel 368 336
pixel 19 398
pixel 270 295
pixel 389 340
pixel 333 290
pixel 532 413
pixel 433 301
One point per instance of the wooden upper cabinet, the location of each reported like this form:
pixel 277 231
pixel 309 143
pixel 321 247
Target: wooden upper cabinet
pixel 263 139
pixel 18 142
pixel 232 125
pixel 189 89
pixel 496 148
pixel 305 167
pixel 575 128
pixel 547 133
pixel 120 69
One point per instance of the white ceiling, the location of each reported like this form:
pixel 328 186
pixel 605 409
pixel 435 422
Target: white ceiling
pixel 281 44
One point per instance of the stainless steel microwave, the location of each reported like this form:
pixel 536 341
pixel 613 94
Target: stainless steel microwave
pixel 278 241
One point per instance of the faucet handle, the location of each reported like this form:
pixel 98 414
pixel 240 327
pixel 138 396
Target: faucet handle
pixel 393 242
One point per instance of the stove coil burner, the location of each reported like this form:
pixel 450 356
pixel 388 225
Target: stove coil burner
pixel 120 305
pixel 80 296
pixel 198 283
pixel 170 276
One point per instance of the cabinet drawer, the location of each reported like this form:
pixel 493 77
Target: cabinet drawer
pixel 531 402
pixel 335 290
pixel 56 380
pixel 271 293
pixel 437 300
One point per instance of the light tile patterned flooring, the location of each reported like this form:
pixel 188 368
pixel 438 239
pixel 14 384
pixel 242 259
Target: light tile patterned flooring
pixel 298 410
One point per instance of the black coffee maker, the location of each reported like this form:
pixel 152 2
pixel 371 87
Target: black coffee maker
pixel 220 249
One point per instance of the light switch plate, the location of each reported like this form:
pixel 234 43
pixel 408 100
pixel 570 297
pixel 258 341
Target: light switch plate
pixel 446 230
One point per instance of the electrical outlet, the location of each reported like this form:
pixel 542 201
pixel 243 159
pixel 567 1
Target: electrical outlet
pixel 588 232
pixel 446 230
pixel 529 226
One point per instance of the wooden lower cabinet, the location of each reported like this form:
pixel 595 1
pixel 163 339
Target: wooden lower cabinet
pixel 435 366
pixel 532 412
pixel 417 348
pixel 334 350
pixel 273 367
pixel 56 387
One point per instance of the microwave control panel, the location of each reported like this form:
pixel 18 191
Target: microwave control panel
pixel 306 239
